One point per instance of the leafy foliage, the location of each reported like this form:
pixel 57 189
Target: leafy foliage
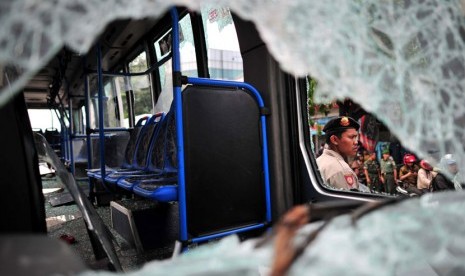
pixel 312 107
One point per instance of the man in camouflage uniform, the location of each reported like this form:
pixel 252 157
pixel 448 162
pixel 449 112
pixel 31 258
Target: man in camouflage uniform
pixel 372 174
pixel 388 172
pixel 341 143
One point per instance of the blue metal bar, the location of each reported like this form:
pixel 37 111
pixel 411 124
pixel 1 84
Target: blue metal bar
pixel 84 136
pixel 63 143
pixel 110 129
pixel 179 127
pixel 70 132
pixel 100 111
pixel 258 98
pixel 222 234
pixel 266 168
pixel 88 135
pixel 146 72
pixel 63 130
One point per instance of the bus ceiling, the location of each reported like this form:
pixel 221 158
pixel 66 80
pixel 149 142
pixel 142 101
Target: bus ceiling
pixel 48 87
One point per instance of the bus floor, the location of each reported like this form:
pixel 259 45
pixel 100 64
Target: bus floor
pixel 65 222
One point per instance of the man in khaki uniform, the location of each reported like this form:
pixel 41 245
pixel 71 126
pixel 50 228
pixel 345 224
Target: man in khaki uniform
pixel 388 172
pixel 341 143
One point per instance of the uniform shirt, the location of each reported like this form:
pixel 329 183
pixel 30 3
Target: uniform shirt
pixel 335 171
pixel 371 166
pixel 388 166
pixel 412 179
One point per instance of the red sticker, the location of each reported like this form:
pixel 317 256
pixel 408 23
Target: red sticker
pixel 349 179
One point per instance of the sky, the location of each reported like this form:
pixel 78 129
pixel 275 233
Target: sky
pixel 43 118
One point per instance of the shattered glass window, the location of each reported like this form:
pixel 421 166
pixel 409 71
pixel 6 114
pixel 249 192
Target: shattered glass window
pixel 398 59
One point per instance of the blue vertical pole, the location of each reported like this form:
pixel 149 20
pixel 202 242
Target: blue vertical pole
pixel 70 132
pixel 88 138
pixel 101 126
pixel 179 128
pixel 266 168
pixel 61 115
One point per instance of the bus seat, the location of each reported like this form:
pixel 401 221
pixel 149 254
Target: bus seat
pixel 163 159
pixel 129 152
pixel 38 131
pixel 164 192
pixel 142 155
pixel 52 135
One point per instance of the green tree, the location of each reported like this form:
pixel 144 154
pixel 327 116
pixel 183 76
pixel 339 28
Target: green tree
pixel 312 107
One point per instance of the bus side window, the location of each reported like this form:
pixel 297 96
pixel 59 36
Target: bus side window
pixel 224 56
pixel 188 61
pixel 143 99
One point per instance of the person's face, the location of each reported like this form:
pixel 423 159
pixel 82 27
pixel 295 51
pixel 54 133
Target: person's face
pixel 385 156
pixel 453 169
pixel 409 164
pixel 347 145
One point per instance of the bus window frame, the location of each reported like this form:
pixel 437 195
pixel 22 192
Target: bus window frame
pixel 309 159
pixel 138 50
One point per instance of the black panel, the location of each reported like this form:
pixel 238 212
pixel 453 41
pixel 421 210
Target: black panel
pixel 158 226
pixel 223 164
pixel 121 224
pixel 155 224
pixel 21 197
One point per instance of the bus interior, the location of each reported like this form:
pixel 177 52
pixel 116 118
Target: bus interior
pixel 175 131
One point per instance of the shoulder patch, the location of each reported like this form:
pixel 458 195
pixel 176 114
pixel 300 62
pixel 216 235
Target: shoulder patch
pixel 349 179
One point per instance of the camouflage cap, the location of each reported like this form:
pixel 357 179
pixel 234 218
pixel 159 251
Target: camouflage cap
pixel 340 124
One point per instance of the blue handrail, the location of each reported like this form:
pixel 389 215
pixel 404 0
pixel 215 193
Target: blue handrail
pixel 179 126
pixel 70 132
pixel 100 110
pixel 88 135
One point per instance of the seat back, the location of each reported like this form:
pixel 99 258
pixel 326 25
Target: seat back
pixel 146 138
pixel 163 150
pixel 38 131
pixel 223 163
pixel 52 135
pixel 132 143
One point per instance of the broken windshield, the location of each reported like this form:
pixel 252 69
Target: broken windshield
pixel 400 60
